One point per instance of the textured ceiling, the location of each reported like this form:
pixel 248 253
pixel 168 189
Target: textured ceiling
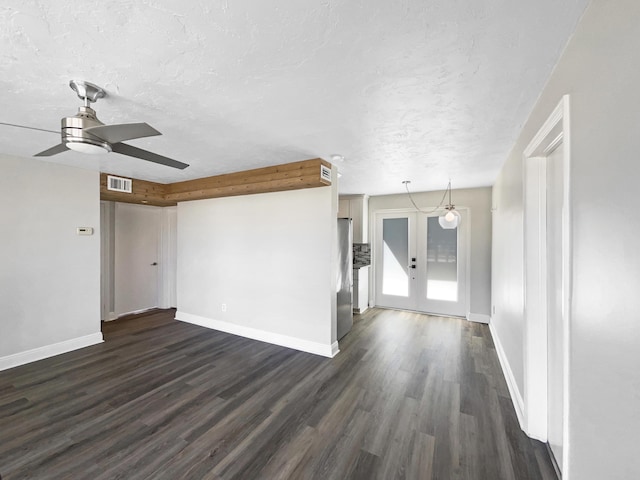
pixel 424 90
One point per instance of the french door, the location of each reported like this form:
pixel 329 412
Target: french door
pixel 419 265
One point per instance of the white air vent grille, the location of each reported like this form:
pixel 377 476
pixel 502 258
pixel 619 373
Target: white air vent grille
pixel 325 173
pixel 119 184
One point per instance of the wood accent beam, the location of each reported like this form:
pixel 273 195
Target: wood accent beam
pixel 277 178
pixel 289 176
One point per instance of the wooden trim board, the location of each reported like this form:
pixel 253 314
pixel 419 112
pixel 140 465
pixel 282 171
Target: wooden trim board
pixel 277 178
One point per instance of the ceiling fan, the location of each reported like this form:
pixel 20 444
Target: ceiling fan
pixel 85 133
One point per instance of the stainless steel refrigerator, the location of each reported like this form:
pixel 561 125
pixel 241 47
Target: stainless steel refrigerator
pixel 345 277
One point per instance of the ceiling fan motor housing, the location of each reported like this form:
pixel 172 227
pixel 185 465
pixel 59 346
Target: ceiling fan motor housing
pixel 73 128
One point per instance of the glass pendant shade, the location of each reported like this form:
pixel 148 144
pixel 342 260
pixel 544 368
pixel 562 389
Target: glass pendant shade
pixel 450 220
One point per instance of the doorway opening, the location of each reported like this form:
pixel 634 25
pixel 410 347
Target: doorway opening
pixel 547 251
pixel 138 258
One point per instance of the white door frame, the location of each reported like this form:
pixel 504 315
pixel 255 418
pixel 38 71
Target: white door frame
pixel 552 133
pixel 168 260
pixel 107 244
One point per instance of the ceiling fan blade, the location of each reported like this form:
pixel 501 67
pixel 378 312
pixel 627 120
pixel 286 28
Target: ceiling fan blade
pixel 57 132
pixel 136 152
pixel 52 151
pixel 123 131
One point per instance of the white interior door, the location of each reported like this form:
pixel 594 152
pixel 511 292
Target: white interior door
pixel 419 265
pixel 555 333
pixel 137 235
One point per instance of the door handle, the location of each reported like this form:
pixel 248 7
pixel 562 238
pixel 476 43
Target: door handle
pixel 411 266
pixel 154 264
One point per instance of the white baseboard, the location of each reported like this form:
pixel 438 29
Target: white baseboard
pixel 47 351
pixel 516 396
pixel 326 350
pixel 478 317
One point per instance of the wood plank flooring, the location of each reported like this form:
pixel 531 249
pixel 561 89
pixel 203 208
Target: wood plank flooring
pixel 410 396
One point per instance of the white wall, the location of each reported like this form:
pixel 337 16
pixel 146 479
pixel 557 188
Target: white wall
pixel 599 70
pixel 508 267
pixel 478 201
pixel 270 258
pixel 49 275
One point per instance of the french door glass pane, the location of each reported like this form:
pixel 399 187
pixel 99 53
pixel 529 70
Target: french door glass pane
pixel 442 262
pixel 395 256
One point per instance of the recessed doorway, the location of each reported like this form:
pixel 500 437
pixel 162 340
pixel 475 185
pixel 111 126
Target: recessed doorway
pixel 419 265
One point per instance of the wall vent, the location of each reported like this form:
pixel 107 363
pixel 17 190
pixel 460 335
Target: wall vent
pixel 325 173
pixel 119 184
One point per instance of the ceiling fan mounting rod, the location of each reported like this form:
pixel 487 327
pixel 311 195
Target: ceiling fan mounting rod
pixel 88 92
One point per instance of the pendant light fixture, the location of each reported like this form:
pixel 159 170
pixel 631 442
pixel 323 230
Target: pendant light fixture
pixel 451 219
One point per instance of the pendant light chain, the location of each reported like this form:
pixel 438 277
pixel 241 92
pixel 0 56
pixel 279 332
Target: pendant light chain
pixel 439 207
pixel 448 221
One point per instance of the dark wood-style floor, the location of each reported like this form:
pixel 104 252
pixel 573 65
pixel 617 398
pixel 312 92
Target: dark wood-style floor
pixel 410 396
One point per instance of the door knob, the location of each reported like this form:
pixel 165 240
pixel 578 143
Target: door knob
pixel 411 266
pixel 154 264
